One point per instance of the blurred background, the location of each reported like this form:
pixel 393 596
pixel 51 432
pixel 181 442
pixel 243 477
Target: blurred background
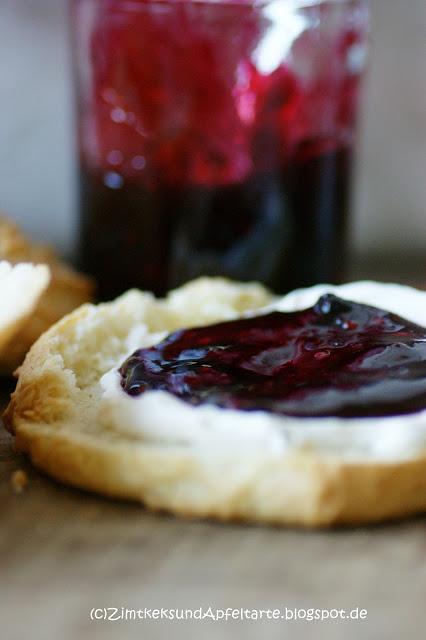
pixel 36 150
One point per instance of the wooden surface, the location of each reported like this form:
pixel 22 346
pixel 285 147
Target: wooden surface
pixel 63 552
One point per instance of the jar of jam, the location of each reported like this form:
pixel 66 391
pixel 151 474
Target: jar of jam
pixel 216 137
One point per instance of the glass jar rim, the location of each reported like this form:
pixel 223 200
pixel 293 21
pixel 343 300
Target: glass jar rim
pixel 134 4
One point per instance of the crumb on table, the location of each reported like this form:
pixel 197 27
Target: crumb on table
pixel 19 480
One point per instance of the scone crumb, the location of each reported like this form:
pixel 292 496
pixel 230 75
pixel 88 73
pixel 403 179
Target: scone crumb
pixel 19 480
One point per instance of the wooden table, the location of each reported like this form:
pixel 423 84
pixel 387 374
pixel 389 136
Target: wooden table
pixel 63 552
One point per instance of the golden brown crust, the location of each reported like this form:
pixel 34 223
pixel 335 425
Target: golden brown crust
pixel 299 489
pixel 53 416
pixel 67 290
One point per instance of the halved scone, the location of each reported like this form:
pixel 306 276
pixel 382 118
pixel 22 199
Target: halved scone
pixel 67 290
pixel 21 287
pixel 71 416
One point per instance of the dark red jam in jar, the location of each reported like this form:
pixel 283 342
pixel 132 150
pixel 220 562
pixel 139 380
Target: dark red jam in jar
pixel 216 138
pixel 338 358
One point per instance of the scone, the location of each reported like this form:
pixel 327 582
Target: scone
pixel 21 287
pixel 66 291
pixel 305 410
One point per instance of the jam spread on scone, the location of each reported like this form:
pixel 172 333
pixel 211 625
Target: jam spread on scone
pixel 338 358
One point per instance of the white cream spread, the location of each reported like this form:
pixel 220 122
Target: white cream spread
pixel 160 417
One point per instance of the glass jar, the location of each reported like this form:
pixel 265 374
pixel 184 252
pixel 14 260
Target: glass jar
pixel 216 137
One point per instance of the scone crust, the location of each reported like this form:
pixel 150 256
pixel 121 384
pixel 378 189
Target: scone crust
pixel 304 488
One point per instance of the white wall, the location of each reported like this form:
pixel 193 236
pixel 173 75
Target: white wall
pixel 391 203
pixel 36 179
pixel 36 142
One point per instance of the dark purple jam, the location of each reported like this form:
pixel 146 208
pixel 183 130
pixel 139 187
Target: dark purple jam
pixel 286 229
pixel 338 358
